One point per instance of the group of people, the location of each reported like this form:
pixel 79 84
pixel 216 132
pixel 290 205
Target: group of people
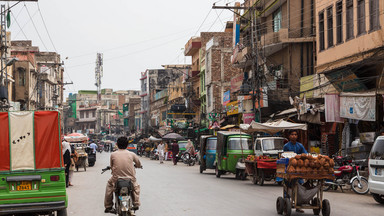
pixel 163 150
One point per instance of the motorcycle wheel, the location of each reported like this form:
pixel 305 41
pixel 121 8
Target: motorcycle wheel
pixel 361 188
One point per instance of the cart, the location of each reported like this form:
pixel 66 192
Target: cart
pixel 82 156
pixel 308 195
pixel 261 170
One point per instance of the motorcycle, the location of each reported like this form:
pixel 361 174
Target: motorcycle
pixel 123 195
pixel 189 159
pixel 347 173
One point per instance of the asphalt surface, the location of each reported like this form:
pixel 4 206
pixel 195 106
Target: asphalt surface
pixel 168 190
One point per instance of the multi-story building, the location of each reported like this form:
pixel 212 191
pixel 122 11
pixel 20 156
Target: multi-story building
pixel 50 80
pixel 7 80
pixel 284 49
pixel 153 81
pixel 25 89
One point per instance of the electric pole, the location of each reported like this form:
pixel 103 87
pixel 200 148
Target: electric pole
pixel 99 75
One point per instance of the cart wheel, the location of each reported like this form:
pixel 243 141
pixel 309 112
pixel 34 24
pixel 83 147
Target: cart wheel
pixel 287 207
pixel 280 205
pixel 243 175
pixel 262 177
pixel 326 210
pixel 217 171
pixel 201 168
pixel 254 179
pixel 316 202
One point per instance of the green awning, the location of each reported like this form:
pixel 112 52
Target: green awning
pixel 201 130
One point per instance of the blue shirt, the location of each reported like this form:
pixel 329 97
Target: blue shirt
pixel 298 148
pixel 94 147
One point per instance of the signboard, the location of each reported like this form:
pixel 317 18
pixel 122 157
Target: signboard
pixel 226 97
pixel 236 82
pixel 248 118
pixel 346 81
pixel 232 108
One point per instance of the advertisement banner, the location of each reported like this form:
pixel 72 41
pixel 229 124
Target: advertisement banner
pixel 232 108
pixel 236 82
pixel 226 97
pixel 248 118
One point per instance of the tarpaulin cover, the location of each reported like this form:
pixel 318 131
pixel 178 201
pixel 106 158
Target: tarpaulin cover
pixel 266 164
pixel 360 106
pixel 4 142
pixel 272 127
pixel 29 140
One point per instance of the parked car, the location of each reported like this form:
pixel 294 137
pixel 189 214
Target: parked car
pixel 376 170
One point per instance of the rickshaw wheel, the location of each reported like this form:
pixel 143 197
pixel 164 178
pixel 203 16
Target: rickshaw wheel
pixel 77 168
pixel 262 177
pixel 201 168
pixel 254 179
pixel 316 202
pixel 280 205
pixel 243 175
pixel 217 171
pixel 326 210
pixel 287 207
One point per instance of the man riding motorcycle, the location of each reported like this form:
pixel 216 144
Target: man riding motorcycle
pixel 122 165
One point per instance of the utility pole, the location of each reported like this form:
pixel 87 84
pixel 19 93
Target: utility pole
pixel 256 79
pixel 99 75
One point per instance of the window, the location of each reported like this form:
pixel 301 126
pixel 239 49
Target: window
pixel 87 114
pixel 277 20
pixel 330 26
pixel 374 21
pixel 360 17
pixel 21 76
pixel 240 144
pixel 349 19
pixel 81 114
pixel 321 31
pixel 211 143
pixel 339 22
pixel 209 99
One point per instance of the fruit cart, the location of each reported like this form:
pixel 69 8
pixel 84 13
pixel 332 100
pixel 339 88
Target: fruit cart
pixel 261 169
pixel 302 189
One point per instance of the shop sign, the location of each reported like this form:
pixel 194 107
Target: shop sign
pixel 236 82
pixel 232 108
pixel 248 118
pixel 214 120
pixel 226 97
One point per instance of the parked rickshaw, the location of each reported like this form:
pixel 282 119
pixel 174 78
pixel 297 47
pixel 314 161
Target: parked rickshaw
pixel 82 156
pixel 208 152
pixel 231 151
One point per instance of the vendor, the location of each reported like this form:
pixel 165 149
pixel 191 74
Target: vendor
pixel 293 145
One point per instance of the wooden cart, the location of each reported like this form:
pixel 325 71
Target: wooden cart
pixel 261 170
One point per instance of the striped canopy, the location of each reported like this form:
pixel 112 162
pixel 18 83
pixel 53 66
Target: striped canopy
pixel 30 141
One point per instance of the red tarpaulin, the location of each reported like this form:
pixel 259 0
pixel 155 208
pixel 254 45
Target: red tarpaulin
pixel 4 142
pixel 266 164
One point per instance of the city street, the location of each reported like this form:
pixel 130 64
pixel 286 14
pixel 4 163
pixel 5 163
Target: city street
pixel 182 190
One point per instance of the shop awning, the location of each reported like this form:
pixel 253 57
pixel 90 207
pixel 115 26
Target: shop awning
pixel 272 127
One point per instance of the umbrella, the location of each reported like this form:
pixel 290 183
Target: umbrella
pixel 154 139
pixel 173 136
pixel 76 137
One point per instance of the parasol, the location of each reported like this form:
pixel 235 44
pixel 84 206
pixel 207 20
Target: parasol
pixel 173 136
pixel 76 137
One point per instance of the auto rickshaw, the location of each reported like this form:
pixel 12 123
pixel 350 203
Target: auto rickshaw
pixel 82 156
pixel 208 152
pixel 231 150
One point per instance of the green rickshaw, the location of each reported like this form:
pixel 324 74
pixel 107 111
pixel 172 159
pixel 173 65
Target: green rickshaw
pixel 231 150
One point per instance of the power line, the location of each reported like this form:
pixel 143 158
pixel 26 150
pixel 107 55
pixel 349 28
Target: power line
pixel 45 26
pixel 35 27
pixel 203 22
pixel 21 29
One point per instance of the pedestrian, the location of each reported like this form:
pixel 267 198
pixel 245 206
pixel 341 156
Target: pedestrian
pixel 166 151
pixel 74 158
pixel 67 160
pixel 93 146
pixel 190 148
pixel 175 152
pixel 160 151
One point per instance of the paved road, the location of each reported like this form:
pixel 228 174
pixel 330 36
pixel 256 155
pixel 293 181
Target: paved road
pixel 168 190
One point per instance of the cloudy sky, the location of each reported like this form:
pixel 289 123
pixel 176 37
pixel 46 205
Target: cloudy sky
pixel 132 35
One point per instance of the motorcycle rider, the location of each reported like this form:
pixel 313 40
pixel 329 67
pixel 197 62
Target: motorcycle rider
pixel 122 163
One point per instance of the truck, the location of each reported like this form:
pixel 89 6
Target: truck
pixel 269 146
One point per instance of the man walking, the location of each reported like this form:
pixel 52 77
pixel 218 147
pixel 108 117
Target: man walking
pixel 160 151
pixel 175 151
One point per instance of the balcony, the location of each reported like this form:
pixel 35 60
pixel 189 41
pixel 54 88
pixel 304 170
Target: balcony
pixel 192 46
pixel 273 42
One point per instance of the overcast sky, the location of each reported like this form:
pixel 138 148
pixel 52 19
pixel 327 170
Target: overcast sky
pixel 132 35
